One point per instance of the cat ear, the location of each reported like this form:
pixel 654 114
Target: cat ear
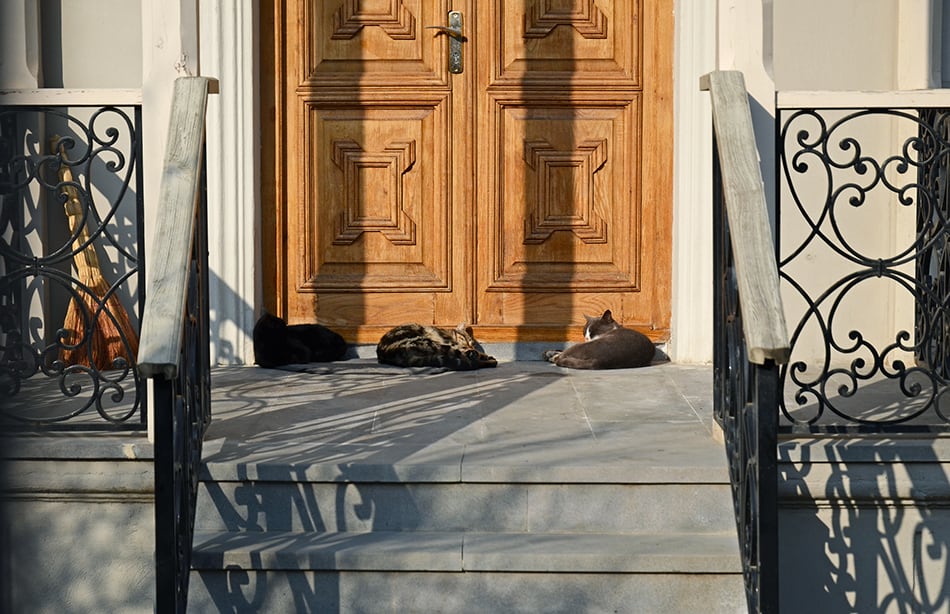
pixel 608 317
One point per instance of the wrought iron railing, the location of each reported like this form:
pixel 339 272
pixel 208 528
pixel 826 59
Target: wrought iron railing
pixel 750 339
pixel 861 244
pixel 174 351
pixel 864 209
pixel 71 259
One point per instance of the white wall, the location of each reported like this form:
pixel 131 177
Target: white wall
pixel 839 45
pixel 835 45
pixel 91 43
pixel 70 43
pixel 19 44
pixel 854 45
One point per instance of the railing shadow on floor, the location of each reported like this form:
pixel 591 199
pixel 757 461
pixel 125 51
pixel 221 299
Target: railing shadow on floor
pixel 863 527
pixel 343 501
pixel 390 426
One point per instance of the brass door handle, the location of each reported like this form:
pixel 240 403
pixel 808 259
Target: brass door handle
pixel 447 30
pixel 456 38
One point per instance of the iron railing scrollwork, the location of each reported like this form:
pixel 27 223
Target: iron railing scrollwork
pixel 861 244
pixel 71 266
pixel 745 408
pixel 932 318
pixel 864 192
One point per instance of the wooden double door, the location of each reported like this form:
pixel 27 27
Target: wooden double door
pixel 515 192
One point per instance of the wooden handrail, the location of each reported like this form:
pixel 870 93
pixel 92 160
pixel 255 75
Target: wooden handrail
pixel 763 318
pixel 169 263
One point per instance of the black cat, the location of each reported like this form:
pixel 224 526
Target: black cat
pixel 276 343
pixel 608 345
pixel 415 345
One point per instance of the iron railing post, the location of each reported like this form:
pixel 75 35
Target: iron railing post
pixel 166 514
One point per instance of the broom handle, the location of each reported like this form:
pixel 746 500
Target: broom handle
pixel 88 263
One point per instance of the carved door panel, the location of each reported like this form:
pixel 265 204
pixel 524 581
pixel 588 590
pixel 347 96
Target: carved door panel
pixel 574 187
pixel 515 195
pixel 376 231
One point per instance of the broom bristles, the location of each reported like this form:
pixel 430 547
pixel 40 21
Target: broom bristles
pixel 106 338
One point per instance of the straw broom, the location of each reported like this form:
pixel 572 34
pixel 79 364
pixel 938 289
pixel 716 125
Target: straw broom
pixel 90 328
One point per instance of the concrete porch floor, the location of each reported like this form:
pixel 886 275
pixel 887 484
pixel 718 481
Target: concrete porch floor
pixel 522 421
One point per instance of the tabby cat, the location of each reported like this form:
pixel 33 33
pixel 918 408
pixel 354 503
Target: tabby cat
pixel 607 345
pixel 277 344
pixel 415 345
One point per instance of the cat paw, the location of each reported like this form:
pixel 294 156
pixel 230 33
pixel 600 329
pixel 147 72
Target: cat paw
pixel 551 355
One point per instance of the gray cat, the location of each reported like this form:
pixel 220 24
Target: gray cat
pixel 607 345
pixel 415 345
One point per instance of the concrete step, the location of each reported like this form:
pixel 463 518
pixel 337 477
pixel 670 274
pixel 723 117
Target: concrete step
pixel 464 551
pixel 455 506
pixel 357 488
pixel 280 545
pixel 423 572
pixel 383 592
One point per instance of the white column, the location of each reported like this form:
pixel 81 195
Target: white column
pixel 745 44
pixel 918 44
pixel 695 53
pixel 230 53
pixel 942 43
pixel 169 50
pixel 19 44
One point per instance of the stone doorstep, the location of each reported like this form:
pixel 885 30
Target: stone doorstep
pixel 79 446
pixel 894 470
pixel 482 471
pixel 870 448
pixel 468 552
pixel 483 508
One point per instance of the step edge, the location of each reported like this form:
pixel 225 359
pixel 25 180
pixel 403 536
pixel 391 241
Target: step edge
pixel 472 552
pixel 451 474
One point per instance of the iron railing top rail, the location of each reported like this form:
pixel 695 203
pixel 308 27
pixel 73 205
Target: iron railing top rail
pixel 896 99
pixel 167 284
pixel 55 97
pixel 760 302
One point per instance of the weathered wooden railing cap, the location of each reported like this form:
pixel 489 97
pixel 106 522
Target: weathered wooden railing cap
pixel 168 269
pixel 763 318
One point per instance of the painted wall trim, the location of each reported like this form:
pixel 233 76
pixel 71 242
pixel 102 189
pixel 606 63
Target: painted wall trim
pixel 230 50
pixel 694 55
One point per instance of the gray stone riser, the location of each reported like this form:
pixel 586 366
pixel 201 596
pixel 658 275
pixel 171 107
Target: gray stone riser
pixel 477 507
pixel 358 488
pixel 278 592
pixel 461 551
